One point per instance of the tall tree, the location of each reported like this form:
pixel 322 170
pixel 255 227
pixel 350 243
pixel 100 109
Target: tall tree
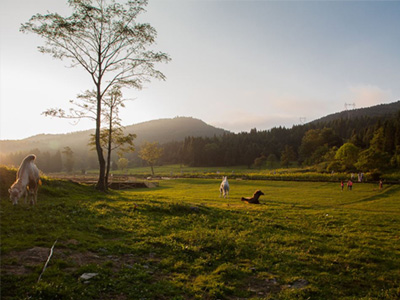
pixel 69 159
pixel 316 143
pixel 374 158
pixel 56 162
pixel 347 156
pixel 104 38
pixel 122 163
pixel 310 142
pixel 259 162
pixel 150 153
pixel 271 159
pixel 287 156
pixel 112 137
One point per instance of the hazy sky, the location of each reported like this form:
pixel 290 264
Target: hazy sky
pixel 235 64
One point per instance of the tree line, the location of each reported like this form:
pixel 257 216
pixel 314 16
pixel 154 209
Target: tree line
pixel 344 144
pixel 105 39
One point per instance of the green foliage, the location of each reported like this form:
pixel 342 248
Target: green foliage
pixel 150 153
pixel 69 159
pixel 347 156
pixel 105 40
pixel 112 136
pixel 287 156
pixel 259 162
pixel 395 160
pixel 271 160
pixel 217 148
pixel 375 158
pixel 181 241
pixel 316 143
pixel 372 159
pixel 311 140
pixel 122 163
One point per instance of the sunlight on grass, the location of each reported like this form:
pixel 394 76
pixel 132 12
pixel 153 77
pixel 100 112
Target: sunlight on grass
pixel 182 241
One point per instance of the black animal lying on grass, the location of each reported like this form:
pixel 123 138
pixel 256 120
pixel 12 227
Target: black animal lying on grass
pixel 254 199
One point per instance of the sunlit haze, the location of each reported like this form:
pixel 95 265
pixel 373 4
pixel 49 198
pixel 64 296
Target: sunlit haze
pixel 235 64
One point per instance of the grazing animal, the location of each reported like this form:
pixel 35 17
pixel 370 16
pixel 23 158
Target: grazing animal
pixel 27 181
pixel 224 187
pixel 254 199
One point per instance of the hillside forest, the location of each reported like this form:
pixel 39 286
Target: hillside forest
pixel 343 144
pixel 363 144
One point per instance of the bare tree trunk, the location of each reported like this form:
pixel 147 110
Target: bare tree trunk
pixel 108 166
pixel 101 184
pixel 152 170
pixel 109 148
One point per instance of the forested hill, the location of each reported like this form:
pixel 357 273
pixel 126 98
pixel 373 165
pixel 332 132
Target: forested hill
pixel 378 111
pixel 364 139
pixel 176 129
pixel 359 125
pixel 371 136
pixel 162 131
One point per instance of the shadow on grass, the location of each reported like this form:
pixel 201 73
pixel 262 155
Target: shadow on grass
pixel 84 222
pixel 385 193
pixel 156 249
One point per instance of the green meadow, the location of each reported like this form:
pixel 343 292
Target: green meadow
pixel 307 240
pixel 293 173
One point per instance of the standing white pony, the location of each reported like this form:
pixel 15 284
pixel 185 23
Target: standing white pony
pixel 27 181
pixel 224 187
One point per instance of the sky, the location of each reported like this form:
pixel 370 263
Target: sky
pixel 236 64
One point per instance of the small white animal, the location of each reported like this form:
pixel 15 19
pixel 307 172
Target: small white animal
pixel 224 187
pixel 27 181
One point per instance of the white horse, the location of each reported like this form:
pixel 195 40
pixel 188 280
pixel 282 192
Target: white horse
pixel 224 187
pixel 27 181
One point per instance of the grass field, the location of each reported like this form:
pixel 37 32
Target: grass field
pixel 181 241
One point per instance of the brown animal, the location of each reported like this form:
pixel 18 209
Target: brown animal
pixel 254 199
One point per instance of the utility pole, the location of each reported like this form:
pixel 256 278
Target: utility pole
pixel 348 107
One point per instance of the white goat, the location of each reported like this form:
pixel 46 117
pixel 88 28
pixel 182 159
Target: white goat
pixel 224 187
pixel 27 181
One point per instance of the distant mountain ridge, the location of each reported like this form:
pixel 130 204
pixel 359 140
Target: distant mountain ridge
pixel 168 130
pixel 162 131
pixel 176 129
pixel 377 111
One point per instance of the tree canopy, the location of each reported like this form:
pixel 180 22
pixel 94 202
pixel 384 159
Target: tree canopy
pixel 104 38
pixel 151 152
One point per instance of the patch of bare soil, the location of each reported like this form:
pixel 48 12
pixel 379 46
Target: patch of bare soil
pixel 298 284
pixel 20 261
pixel 263 287
pixel 24 262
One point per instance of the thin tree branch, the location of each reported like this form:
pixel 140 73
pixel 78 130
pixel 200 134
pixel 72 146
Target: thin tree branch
pixel 48 260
